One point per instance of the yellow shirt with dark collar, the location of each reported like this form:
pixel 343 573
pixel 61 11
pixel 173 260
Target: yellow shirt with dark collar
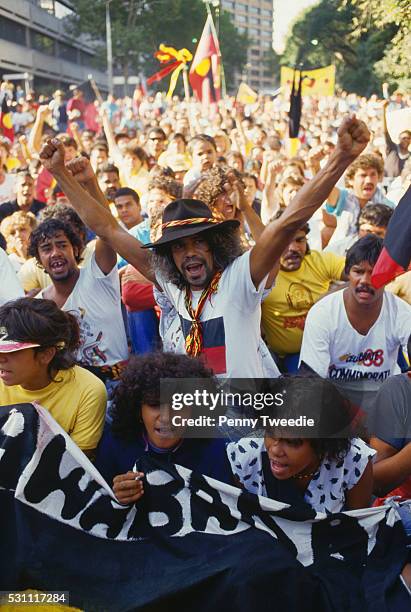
pixel 76 399
pixel 285 309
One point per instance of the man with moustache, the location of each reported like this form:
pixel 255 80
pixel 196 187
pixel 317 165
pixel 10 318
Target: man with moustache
pixel 304 277
pixel 91 293
pixel 215 288
pixel 343 206
pixel 356 333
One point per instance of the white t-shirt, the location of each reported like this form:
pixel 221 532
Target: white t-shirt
pixel 95 301
pixel 7 189
pixel 326 490
pixel 10 288
pixel 335 350
pixel 340 247
pixel 173 340
pixel 230 322
pixel 16 262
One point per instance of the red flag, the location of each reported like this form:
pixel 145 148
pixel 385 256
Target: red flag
pixel 205 71
pixel 162 73
pixel 395 258
pixel 6 123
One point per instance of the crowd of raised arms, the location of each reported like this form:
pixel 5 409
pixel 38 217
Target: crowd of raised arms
pixel 144 239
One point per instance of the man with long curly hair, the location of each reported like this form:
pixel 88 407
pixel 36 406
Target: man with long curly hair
pixel 199 265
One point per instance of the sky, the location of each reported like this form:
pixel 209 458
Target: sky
pixel 285 11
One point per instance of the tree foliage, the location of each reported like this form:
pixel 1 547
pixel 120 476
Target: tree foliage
pixel 360 39
pixel 396 15
pixel 139 26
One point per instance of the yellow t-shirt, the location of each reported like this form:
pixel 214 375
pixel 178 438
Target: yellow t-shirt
pixel 12 163
pixel 76 400
pixel 285 309
pixel 137 181
pixel 32 276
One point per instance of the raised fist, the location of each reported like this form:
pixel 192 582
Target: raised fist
pixel 52 155
pixel 43 111
pixel 81 169
pixel 353 137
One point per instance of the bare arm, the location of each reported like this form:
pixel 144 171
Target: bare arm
pixel 392 467
pixel 94 215
pixel 360 495
pixel 76 135
pixel 388 141
pixel 314 158
pixel 253 220
pixel 25 151
pixel 37 129
pixel 353 138
pixel 80 168
pixel 255 224
pixel 268 158
pixel 113 149
pixel 269 205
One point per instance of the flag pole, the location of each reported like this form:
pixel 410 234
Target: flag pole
pixel 214 31
pixel 187 99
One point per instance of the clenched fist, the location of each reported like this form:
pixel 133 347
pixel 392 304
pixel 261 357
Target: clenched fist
pixel 81 169
pixel 353 137
pixel 52 156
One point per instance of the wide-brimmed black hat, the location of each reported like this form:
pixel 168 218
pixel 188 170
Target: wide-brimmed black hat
pixel 182 218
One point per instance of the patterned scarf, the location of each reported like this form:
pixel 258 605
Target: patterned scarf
pixel 194 340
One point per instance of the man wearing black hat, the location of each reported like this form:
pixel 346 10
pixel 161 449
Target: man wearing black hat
pixel 215 288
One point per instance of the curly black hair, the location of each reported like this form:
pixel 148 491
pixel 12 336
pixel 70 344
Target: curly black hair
pixel 140 384
pixel 48 229
pixel 65 213
pixel 225 245
pixel 367 248
pixel 318 399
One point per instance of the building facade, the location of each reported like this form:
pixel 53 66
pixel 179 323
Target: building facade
pixel 33 40
pixel 256 18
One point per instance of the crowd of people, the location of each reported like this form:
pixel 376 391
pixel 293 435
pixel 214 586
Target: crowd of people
pixel 144 239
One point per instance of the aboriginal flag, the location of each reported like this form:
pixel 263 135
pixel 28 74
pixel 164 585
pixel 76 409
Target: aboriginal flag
pixel 395 257
pixel 205 71
pixel 295 106
pixel 6 123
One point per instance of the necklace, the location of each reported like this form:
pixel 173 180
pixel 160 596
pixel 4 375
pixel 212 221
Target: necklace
pixel 300 476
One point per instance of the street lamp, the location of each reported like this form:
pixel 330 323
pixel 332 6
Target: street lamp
pixel 109 48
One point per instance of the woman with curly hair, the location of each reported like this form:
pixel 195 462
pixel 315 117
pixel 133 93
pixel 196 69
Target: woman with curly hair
pixel 138 427
pixel 223 190
pixel 320 464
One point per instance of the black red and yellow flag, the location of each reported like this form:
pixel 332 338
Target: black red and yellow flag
pixel 395 258
pixel 205 71
pixel 6 123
